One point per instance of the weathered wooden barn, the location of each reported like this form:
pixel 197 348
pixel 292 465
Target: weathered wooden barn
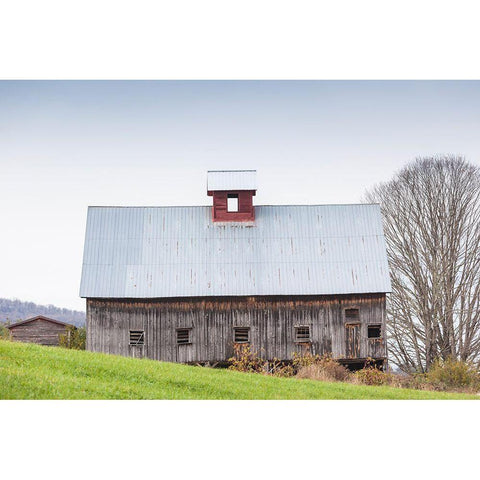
pixel 39 329
pixel 185 284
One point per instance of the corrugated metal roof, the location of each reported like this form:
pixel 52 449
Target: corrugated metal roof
pixel 149 252
pixel 231 180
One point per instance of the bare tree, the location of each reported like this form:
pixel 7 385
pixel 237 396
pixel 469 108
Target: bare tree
pixel 431 214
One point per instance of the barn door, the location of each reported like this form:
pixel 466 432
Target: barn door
pixel 352 337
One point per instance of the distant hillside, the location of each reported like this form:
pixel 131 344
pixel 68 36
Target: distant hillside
pixel 13 310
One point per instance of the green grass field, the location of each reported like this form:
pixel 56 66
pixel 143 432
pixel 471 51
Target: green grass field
pixel 33 372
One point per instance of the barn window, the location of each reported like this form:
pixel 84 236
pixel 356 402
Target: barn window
pixel 302 334
pixel 352 314
pixel 374 331
pixel 183 336
pixel 232 202
pixel 137 337
pixel 241 334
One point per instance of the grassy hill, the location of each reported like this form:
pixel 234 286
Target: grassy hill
pixel 33 372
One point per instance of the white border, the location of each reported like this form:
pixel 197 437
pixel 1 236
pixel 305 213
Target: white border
pixel 239 40
pixel 249 39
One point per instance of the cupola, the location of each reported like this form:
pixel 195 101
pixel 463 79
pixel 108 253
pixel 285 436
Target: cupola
pixel 232 192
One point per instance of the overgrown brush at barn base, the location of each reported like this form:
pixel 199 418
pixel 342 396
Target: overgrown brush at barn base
pixel 371 375
pixel 445 375
pixel 323 368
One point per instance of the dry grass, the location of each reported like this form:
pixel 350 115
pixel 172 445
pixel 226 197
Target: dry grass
pixel 445 376
pixel 325 369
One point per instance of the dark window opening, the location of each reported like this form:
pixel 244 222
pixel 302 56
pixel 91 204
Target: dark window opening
pixel 183 336
pixel 374 331
pixel 241 334
pixel 137 337
pixel 232 202
pixel 352 314
pixel 302 334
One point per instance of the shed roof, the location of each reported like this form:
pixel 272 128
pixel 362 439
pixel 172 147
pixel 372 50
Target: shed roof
pixel 155 252
pixel 231 180
pixel 40 317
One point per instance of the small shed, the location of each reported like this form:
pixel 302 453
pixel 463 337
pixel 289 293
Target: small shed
pixel 39 329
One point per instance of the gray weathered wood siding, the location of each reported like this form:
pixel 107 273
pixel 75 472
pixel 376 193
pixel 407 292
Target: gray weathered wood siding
pixel 38 331
pixel 272 322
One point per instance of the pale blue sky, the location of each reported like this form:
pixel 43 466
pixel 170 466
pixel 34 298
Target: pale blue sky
pixel 65 145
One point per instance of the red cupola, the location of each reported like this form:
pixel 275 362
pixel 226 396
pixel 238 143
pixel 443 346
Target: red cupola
pixel 233 192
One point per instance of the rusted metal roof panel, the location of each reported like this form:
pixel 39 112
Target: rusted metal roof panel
pixel 152 252
pixel 231 180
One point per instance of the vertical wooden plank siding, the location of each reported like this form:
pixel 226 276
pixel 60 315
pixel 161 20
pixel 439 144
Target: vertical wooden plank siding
pixel 38 331
pixel 272 322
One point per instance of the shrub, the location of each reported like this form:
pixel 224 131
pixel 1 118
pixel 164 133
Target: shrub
pixel 371 375
pixel 453 374
pixel 5 333
pixel 277 368
pixel 444 375
pixel 74 338
pixel 323 368
pixel 245 360
pixel 304 360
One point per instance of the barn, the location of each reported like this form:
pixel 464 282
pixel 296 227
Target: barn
pixel 187 284
pixel 39 329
